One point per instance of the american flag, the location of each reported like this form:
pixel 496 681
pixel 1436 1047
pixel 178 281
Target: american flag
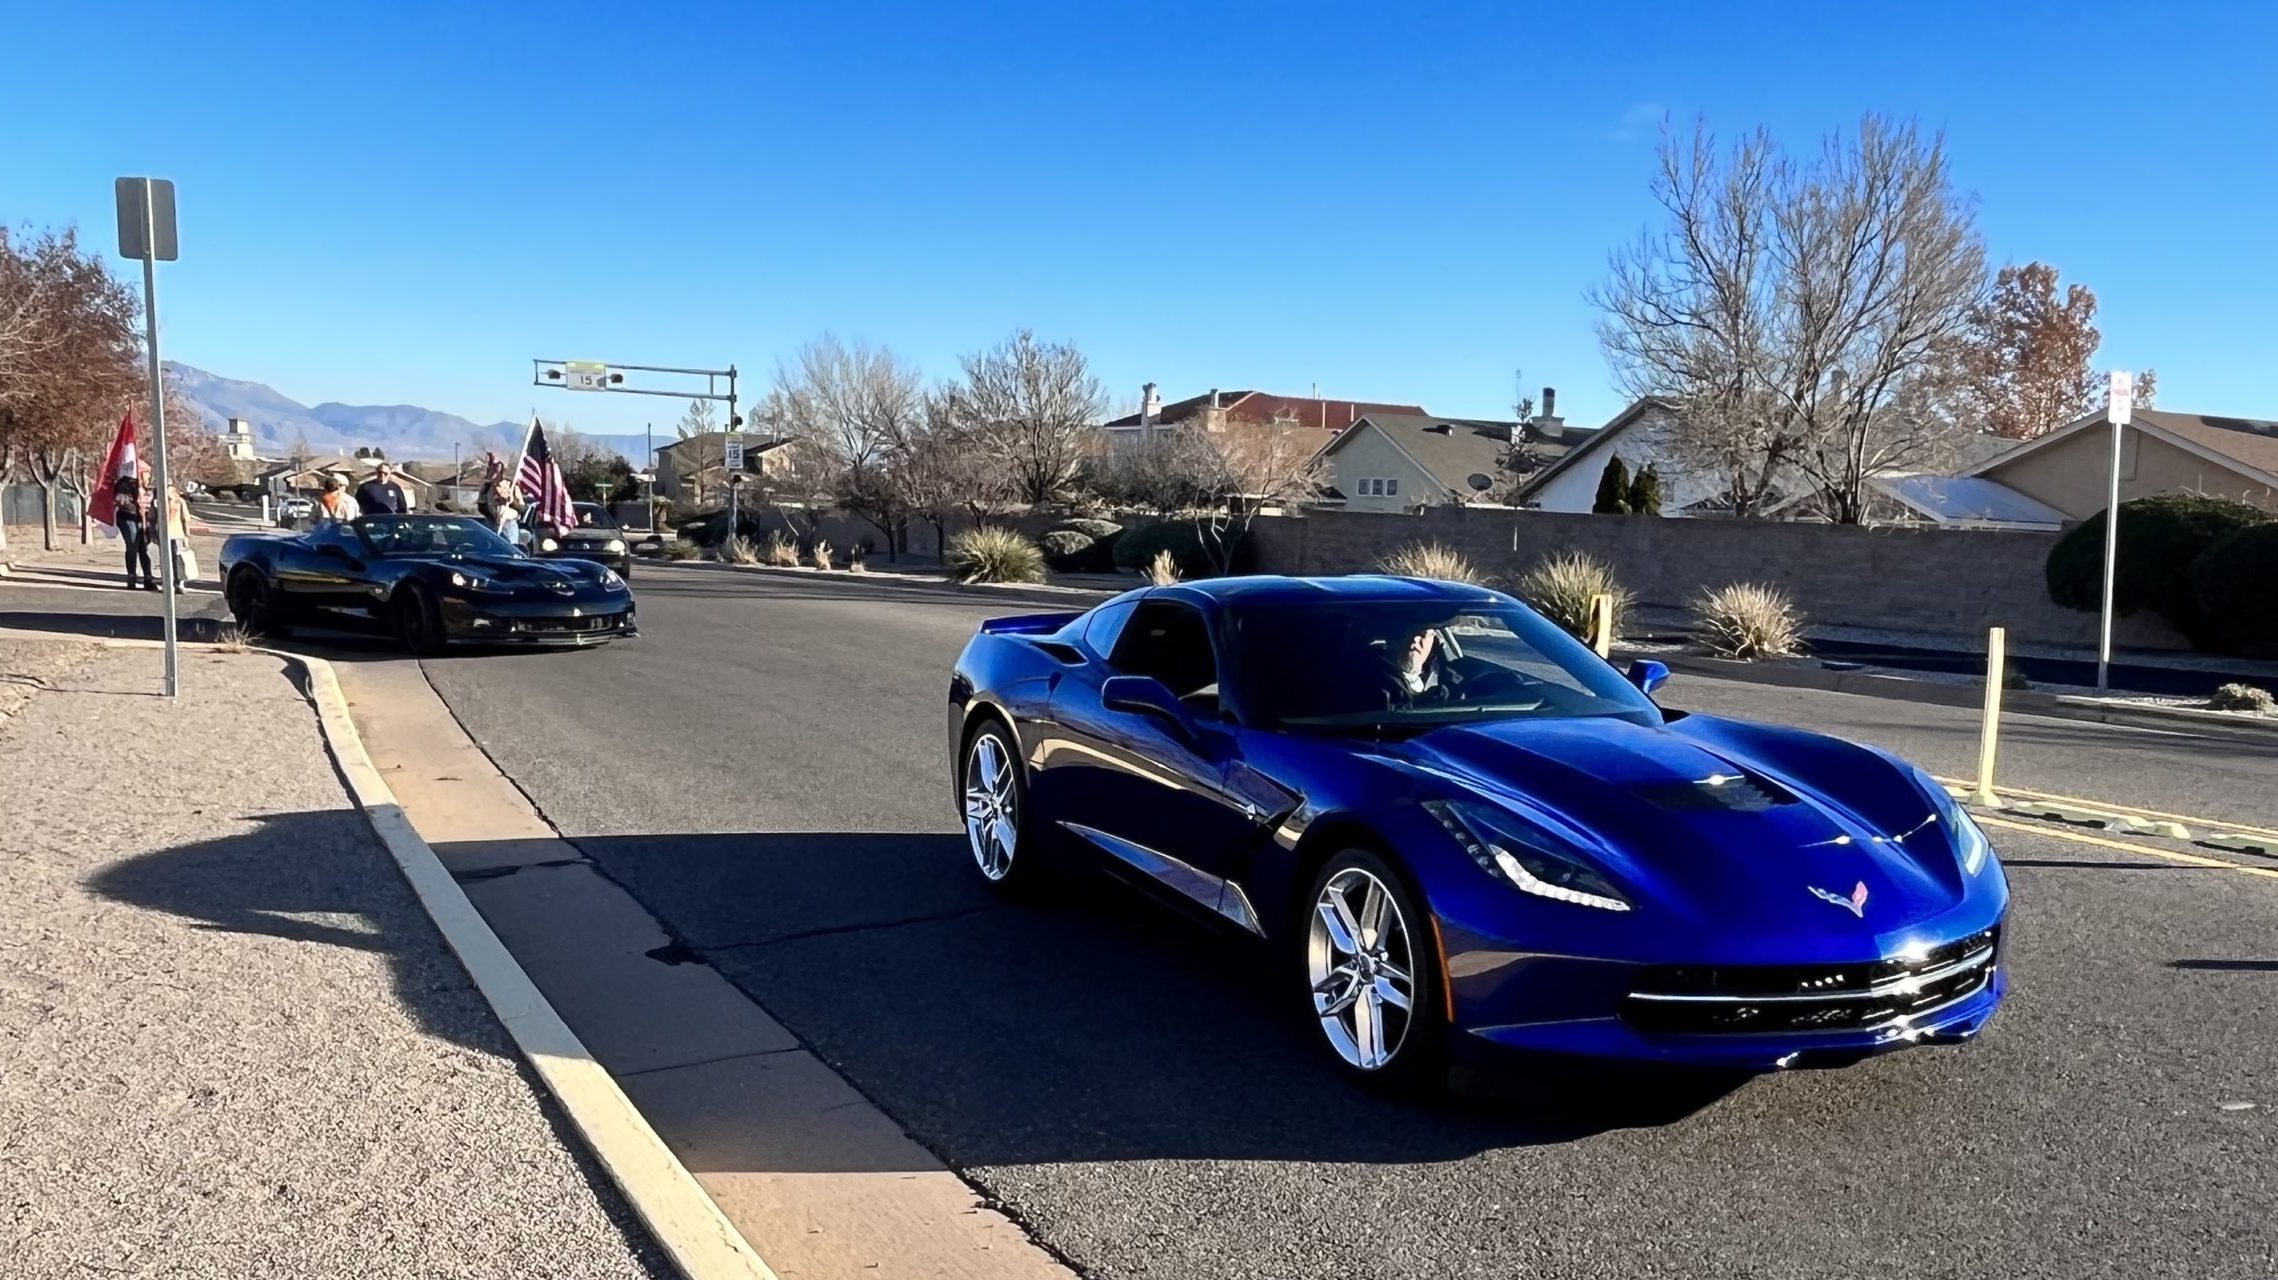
pixel 540 479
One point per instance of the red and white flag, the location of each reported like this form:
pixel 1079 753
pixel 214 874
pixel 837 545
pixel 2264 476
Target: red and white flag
pixel 103 506
pixel 541 482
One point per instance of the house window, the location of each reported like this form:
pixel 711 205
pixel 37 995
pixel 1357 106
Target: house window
pixel 1392 488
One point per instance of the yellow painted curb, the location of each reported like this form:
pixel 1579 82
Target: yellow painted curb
pixel 2124 846
pixel 699 1239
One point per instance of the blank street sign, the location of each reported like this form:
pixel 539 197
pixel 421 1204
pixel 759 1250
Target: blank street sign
pixel 146 225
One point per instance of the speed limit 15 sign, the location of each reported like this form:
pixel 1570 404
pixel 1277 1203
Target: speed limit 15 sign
pixel 585 375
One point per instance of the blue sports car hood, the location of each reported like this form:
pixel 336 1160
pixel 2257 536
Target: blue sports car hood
pixel 1718 820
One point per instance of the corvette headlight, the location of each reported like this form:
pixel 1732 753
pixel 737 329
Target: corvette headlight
pixel 1507 846
pixel 1970 844
pixel 548 544
pixel 610 581
pixel 615 545
pixel 477 583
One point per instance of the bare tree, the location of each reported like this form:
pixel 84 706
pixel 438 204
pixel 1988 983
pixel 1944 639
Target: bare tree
pixel 861 406
pixel 1224 478
pixel 1798 314
pixel 77 366
pixel 1037 404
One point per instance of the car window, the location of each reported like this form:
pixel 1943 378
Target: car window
pixel 1106 624
pixel 1169 641
pixel 333 533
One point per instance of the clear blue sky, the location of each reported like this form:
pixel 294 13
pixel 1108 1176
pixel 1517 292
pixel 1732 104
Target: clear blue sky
pixel 1399 202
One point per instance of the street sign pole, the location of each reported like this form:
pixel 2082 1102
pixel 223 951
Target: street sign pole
pixel 146 231
pixel 2121 408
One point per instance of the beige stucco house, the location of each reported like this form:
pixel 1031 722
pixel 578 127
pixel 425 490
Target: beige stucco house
pixel 2161 451
pixel 1398 462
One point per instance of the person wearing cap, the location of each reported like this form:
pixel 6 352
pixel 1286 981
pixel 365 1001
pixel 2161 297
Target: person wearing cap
pixel 381 495
pixel 334 503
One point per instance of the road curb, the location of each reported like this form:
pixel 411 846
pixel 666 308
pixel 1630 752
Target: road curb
pixel 2025 701
pixel 685 1223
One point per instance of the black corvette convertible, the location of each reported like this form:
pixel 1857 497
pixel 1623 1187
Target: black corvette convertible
pixel 428 580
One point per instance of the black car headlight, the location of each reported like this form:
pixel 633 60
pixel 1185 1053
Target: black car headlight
pixel 479 584
pixel 1970 845
pixel 1505 845
pixel 610 581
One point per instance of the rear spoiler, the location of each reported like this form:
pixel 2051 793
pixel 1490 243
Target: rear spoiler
pixel 1028 624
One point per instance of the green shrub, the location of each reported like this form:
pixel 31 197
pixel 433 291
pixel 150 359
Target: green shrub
pixel 1747 620
pixel 2160 538
pixel 1434 560
pixel 1645 492
pixel 1613 489
pixel 1068 550
pixel 682 549
pixel 1137 548
pixel 995 555
pixel 2234 582
pixel 1561 586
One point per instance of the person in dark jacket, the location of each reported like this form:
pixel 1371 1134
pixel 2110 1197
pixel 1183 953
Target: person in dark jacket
pixel 381 495
pixel 132 520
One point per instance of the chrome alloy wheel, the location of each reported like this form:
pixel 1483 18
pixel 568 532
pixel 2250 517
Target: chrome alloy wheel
pixel 1358 957
pixel 990 800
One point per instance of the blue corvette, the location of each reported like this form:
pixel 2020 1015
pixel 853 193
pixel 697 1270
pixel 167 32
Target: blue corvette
pixel 1463 832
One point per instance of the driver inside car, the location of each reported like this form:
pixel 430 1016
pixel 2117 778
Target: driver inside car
pixel 1415 670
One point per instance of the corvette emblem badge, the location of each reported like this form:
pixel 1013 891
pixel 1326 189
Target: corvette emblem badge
pixel 1856 904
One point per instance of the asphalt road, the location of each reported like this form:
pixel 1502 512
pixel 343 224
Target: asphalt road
pixel 765 770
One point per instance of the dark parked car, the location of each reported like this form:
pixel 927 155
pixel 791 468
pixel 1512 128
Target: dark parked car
pixel 428 580
pixel 597 537
pixel 1461 831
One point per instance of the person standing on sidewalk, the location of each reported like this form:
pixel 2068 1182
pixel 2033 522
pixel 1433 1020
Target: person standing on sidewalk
pixel 132 519
pixel 334 503
pixel 499 504
pixel 178 539
pixel 381 495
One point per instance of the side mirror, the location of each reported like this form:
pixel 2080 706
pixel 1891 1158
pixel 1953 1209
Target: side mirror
pixel 1146 696
pixel 1648 675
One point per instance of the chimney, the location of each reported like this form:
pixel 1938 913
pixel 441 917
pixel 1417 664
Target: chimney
pixel 1150 407
pixel 1547 423
pixel 1214 397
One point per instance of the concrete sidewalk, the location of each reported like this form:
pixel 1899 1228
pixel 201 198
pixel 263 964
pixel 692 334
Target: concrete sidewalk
pixel 231 1042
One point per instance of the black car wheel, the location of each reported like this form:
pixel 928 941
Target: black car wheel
pixel 251 604
pixel 418 622
pixel 1371 975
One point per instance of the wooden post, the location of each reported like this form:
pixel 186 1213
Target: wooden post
pixel 1602 624
pixel 1996 668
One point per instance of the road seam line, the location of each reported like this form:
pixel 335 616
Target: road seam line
pixel 684 1221
pixel 2124 846
pixel 707 1062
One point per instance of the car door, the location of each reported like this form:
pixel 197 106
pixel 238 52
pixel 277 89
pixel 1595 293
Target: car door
pixel 1139 786
pixel 323 571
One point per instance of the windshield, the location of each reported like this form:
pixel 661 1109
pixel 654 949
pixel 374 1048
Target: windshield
pixel 1394 664
pixel 590 515
pixel 432 536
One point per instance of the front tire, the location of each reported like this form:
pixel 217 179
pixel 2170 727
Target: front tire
pixel 1371 980
pixel 253 605
pixel 994 793
pixel 418 621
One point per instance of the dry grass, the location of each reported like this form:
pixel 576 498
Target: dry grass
pixel 682 549
pixel 1747 621
pixel 779 551
pixel 232 638
pixel 2243 697
pixel 994 555
pixel 1561 587
pixel 1163 570
pixel 822 554
pixel 738 550
pixel 1434 560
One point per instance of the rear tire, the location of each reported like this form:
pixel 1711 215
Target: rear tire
pixel 418 622
pixel 1368 971
pixel 253 605
pixel 1000 840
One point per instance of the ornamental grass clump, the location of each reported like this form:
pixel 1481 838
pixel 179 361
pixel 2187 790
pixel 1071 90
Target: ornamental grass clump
pixel 1561 587
pixel 1748 621
pixel 995 555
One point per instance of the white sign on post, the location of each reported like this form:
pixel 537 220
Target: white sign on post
pixel 2123 398
pixel 734 458
pixel 585 375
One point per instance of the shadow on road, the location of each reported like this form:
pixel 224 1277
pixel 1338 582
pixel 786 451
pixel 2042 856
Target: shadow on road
pixel 200 626
pixel 1092 1026
pixel 318 878
pixel 2227 966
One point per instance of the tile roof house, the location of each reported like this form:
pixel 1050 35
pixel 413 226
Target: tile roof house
pixel 1217 407
pixel 2161 451
pixel 1397 462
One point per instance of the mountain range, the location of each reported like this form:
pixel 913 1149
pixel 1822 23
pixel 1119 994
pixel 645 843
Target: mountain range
pixel 401 431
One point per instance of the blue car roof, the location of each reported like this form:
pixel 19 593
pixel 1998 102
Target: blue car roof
pixel 1355 588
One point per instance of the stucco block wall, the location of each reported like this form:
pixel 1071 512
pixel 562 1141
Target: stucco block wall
pixel 1952 583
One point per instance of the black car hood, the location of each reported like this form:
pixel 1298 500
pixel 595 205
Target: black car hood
pixel 523 571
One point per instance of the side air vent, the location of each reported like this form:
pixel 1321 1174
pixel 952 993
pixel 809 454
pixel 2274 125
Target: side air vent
pixel 1066 653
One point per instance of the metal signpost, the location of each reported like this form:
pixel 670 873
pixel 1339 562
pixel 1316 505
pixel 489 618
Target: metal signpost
pixel 146 231
pixel 2122 407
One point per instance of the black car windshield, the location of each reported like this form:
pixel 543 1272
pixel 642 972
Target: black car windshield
pixel 590 515
pixel 1410 665
pixel 431 536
